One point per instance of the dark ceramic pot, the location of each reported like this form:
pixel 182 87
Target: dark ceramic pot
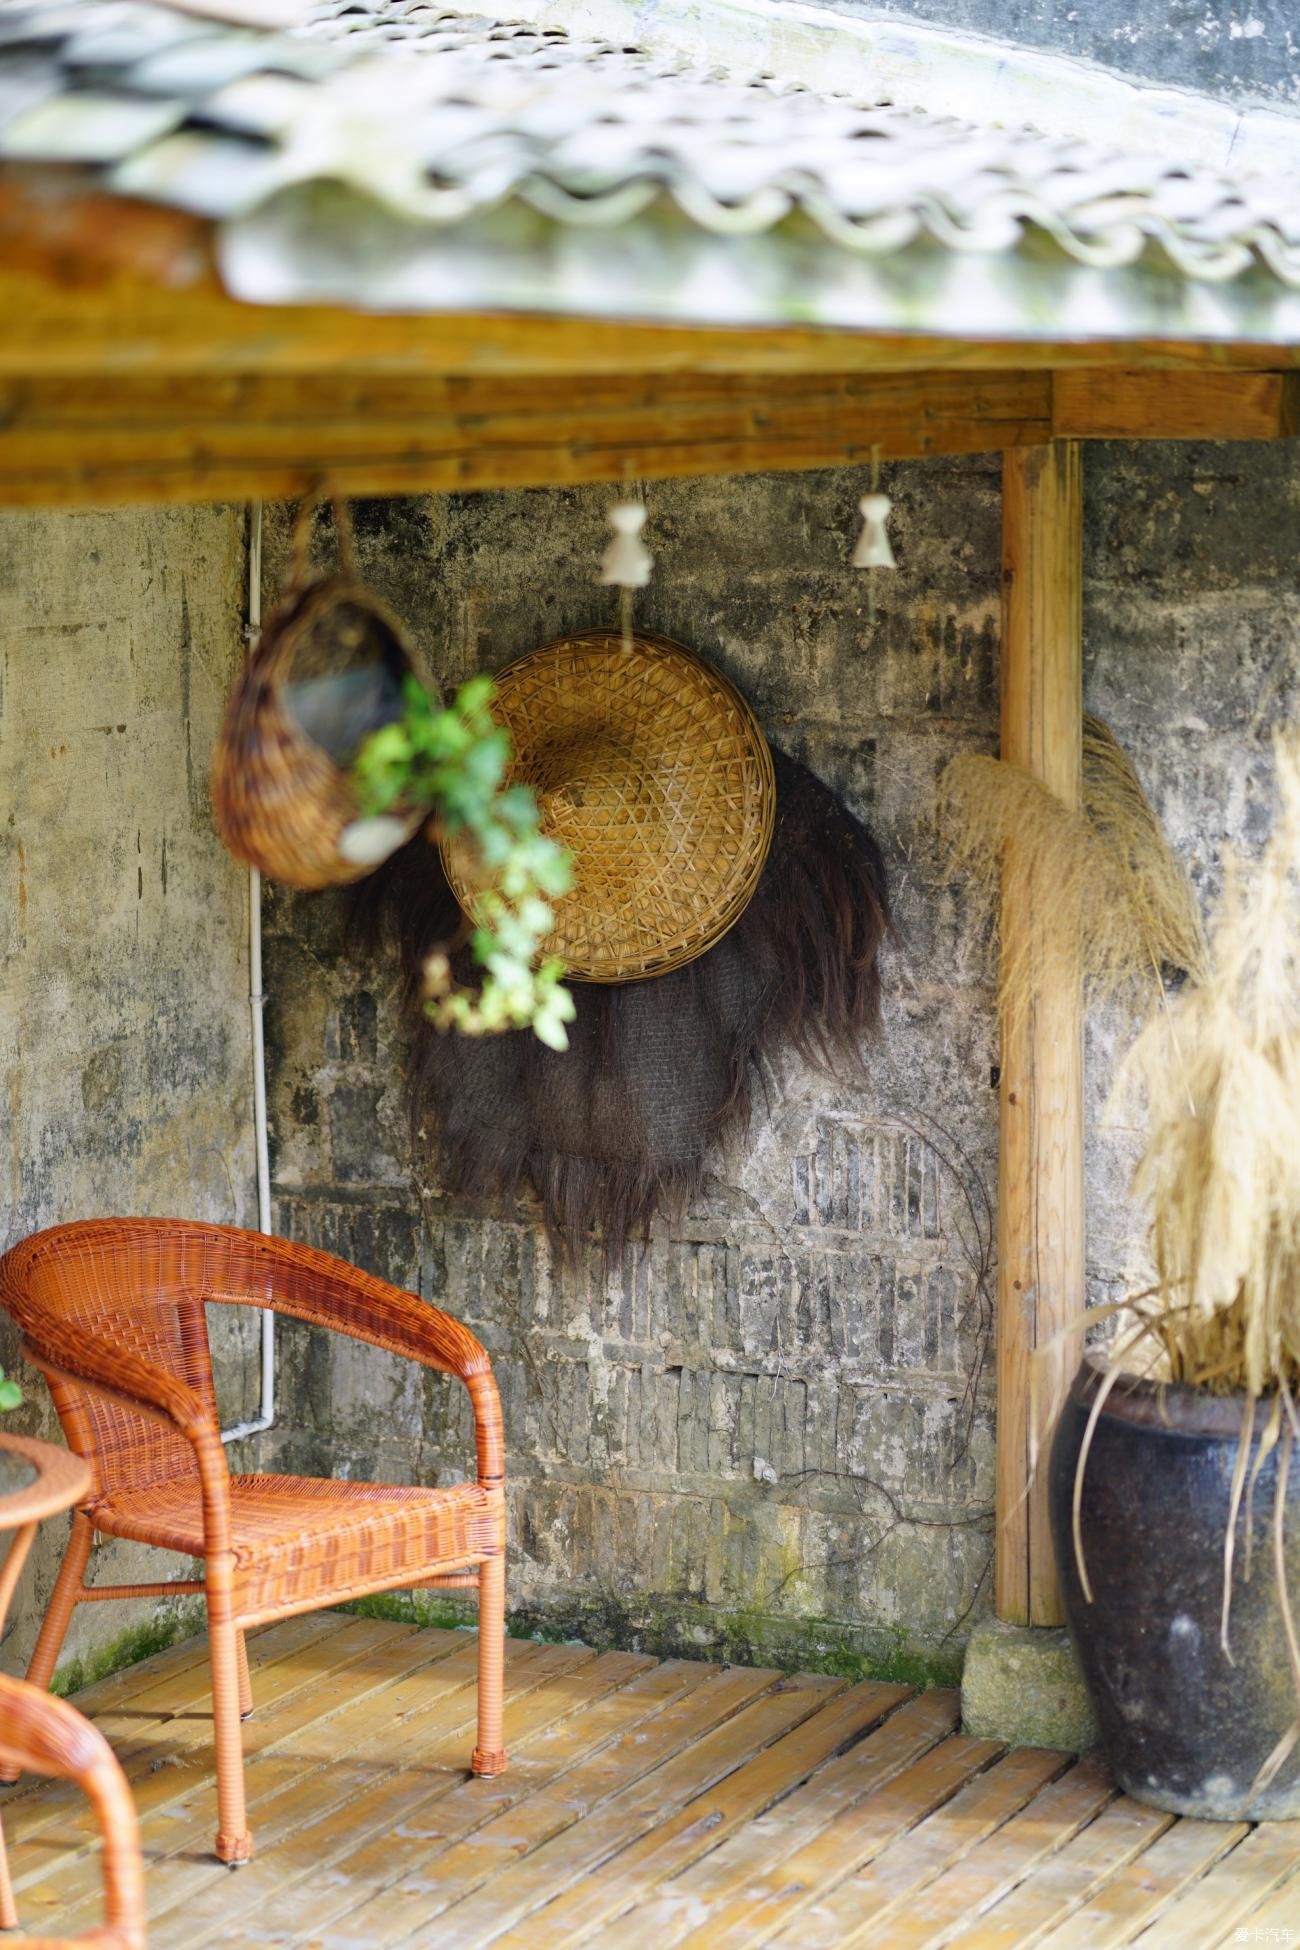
pixel 1184 1727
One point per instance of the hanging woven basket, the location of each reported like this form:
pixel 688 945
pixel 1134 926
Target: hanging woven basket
pixel 327 669
pixel 651 769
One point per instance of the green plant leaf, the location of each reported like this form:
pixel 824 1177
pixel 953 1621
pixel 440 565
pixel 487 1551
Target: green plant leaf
pixel 450 762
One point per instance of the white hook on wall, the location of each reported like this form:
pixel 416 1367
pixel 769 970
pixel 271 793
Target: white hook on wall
pixel 873 550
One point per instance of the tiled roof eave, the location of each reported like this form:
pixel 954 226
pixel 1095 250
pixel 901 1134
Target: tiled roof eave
pixel 320 244
pixel 397 155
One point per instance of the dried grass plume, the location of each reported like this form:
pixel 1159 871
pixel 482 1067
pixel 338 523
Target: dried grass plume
pixel 1118 903
pixel 1218 1069
pixel 1219 1072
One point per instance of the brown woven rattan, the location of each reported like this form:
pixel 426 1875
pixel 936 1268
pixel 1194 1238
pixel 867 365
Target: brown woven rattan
pixel 112 1312
pixel 651 768
pixel 280 802
pixel 52 1738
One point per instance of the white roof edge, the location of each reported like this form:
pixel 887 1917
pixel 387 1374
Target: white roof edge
pixel 945 72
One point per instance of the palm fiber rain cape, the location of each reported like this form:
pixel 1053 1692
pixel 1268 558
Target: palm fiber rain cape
pixel 657 1072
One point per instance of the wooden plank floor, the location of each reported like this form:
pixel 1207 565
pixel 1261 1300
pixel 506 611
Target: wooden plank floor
pixel 648 1805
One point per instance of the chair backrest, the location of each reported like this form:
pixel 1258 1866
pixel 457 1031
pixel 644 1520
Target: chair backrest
pixel 51 1737
pixel 137 1283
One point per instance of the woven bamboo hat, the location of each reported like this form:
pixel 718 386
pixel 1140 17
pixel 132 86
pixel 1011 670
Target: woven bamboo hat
pixel 651 768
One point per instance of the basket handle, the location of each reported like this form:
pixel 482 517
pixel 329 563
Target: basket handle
pixel 297 574
pixel 273 652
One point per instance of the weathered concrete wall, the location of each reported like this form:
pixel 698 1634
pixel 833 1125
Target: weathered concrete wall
pixel 124 1040
pixel 819 1317
pixel 1248 49
pixel 771 1430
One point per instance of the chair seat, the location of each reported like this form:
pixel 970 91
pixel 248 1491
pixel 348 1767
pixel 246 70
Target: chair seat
pixel 307 1539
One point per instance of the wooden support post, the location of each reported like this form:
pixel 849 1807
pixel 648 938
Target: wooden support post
pixel 1040 1173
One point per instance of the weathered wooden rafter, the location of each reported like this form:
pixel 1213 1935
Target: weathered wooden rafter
pixel 117 437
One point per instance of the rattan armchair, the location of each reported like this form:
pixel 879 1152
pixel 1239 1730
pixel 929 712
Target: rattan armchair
pixel 52 1738
pixel 112 1313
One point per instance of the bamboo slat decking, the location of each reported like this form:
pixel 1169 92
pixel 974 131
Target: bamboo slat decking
pixel 654 1804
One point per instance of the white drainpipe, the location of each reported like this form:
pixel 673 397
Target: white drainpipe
pixel 256 1003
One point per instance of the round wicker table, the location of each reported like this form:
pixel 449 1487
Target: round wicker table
pixel 56 1479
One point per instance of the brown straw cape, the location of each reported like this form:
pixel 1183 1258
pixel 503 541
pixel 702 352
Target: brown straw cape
pixel 327 669
pixel 658 1073
pixel 650 767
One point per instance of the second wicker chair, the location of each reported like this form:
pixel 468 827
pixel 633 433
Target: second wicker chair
pixel 112 1312
pixel 51 1738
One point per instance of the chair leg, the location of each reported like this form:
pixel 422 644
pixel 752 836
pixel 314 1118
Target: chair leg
pixel 8 1912
pixel 490 1755
pixel 63 1602
pixel 124 1905
pixel 234 1844
pixel 58 1614
pixel 245 1683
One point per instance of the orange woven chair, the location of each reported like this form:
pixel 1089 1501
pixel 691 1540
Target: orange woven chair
pixel 112 1313
pixel 50 1737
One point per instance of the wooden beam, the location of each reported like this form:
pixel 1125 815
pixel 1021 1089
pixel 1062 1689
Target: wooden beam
pixel 92 284
pixel 127 439
pixel 1040 1171
pixel 130 437
pixel 1175 405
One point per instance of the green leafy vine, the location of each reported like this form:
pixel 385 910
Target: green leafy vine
pixel 452 761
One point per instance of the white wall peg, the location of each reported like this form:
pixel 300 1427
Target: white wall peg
pixel 873 550
pixel 627 561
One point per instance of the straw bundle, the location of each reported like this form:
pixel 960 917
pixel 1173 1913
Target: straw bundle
pixel 1219 1070
pixel 1122 910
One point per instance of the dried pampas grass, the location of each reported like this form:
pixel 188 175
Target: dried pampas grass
pixel 1117 904
pixel 1219 1073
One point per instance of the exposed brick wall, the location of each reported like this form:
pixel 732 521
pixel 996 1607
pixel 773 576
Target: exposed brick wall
pixel 765 1430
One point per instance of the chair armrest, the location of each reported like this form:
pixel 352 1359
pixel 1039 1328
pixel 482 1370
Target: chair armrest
pixel 327 1292
pixel 315 1287
pixel 98 1364
pixel 99 1367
